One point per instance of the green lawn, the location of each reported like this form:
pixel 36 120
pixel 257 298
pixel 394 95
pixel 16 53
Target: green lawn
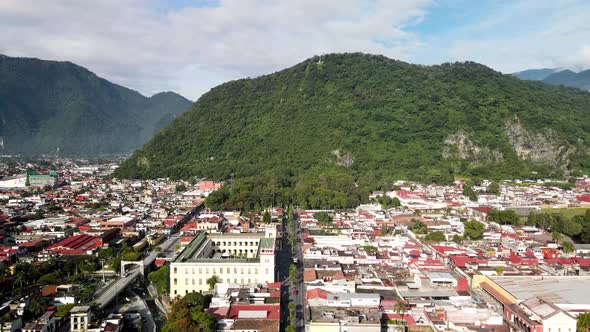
pixel 567 212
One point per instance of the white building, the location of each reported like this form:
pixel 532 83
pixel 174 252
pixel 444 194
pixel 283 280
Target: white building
pixel 244 258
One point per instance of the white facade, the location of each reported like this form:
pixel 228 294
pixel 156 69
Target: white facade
pixel 245 259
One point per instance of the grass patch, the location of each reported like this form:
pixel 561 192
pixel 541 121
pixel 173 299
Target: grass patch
pixel 567 212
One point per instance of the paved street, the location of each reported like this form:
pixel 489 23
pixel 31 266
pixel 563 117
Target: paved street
pixel 284 259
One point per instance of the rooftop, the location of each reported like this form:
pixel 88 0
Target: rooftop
pixel 555 289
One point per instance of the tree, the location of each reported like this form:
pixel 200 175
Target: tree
pixel 20 279
pixel 494 188
pixel 160 278
pixel 583 322
pixel 205 321
pixel 503 217
pixel 556 236
pixel 400 309
pixel 184 318
pixel 469 192
pixel 458 239
pixel 212 281
pixel 266 217
pixel 568 247
pixel 194 299
pixel 473 229
pixel 435 237
pixel 417 227
pixel 37 307
pixel 63 310
pixel 179 319
pixel 293 273
pixel 323 217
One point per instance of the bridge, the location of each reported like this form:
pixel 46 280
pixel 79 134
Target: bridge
pixel 130 270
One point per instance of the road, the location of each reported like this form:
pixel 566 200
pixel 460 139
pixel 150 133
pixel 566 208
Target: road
pixel 139 306
pixel 284 258
pixel 116 287
pixel 299 298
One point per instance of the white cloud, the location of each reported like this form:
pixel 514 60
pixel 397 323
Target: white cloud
pixel 192 49
pixel 526 34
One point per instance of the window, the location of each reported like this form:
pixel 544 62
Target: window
pixel 200 281
pixel 193 281
pixel 235 270
pixel 175 270
pixel 200 270
pixel 175 282
pixel 186 281
pixel 227 270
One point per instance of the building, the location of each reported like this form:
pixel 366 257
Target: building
pixel 543 303
pixel 82 244
pixel 120 222
pixel 42 180
pixel 244 258
pixel 80 318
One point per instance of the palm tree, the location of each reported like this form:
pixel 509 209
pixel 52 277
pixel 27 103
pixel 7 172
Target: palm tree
pixel 400 309
pixel 583 324
pixel 568 247
pixel 37 307
pixel 556 236
pixel 20 279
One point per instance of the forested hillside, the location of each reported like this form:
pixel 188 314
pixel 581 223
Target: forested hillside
pixel 59 107
pixel 324 132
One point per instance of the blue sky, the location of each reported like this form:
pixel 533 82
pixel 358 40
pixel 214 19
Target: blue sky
pixel 189 46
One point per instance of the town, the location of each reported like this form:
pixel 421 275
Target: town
pixel 83 251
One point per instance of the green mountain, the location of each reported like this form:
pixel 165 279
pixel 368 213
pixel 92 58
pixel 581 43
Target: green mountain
pixel 345 123
pixel 556 76
pixel 535 74
pixel 49 107
pixel 579 80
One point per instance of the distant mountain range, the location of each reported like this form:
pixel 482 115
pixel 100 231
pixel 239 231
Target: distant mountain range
pixel 59 107
pixel 557 76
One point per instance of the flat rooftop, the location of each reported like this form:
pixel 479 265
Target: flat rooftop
pixel 194 247
pixel 352 315
pixel 555 289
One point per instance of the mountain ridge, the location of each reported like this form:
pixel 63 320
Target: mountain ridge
pixel 61 107
pixel 557 76
pixel 364 118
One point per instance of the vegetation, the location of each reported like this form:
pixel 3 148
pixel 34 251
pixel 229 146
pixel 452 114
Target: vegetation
pixel 435 237
pixel 583 322
pixel 160 279
pixel 212 281
pixel 388 202
pixel 59 107
pixel 503 217
pixel 469 192
pixel 185 316
pixel 323 217
pixel 473 229
pixel 324 134
pixel 577 227
pixel 418 227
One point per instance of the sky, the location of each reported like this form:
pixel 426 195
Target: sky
pixel 190 46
